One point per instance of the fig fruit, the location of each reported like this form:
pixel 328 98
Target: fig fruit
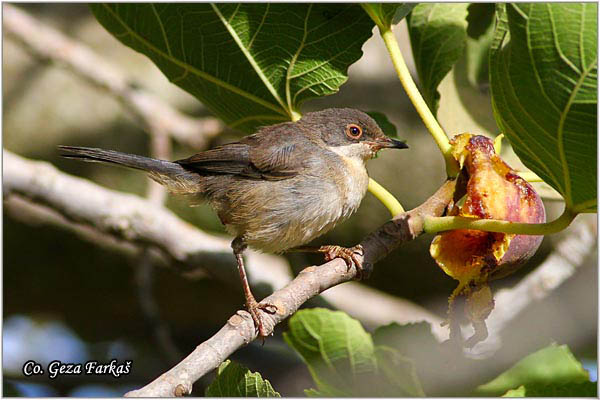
pixel 493 191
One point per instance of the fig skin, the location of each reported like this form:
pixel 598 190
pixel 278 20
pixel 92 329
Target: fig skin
pixel 493 191
pixel 522 247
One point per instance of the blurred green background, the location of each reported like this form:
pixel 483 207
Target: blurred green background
pixel 69 299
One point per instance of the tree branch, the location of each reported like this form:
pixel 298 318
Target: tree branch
pixel 160 147
pixel 159 119
pixel 46 43
pixel 239 330
pixel 36 193
pixel 38 189
pixel 130 219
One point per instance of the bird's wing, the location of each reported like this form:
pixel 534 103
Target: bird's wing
pixel 254 157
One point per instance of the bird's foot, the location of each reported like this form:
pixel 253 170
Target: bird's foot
pixel 351 255
pixel 255 308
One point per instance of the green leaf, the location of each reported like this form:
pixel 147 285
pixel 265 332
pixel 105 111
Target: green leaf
pixel 518 392
pixel 585 389
pixel 233 380
pixel 480 19
pixel 437 35
pixel 408 339
pixel 343 361
pixel 477 54
pixel 552 365
pixel 543 75
pixel 467 84
pixel 314 393
pixel 336 349
pixel 429 358
pixel 387 14
pixel 400 370
pixel 384 123
pixel 251 64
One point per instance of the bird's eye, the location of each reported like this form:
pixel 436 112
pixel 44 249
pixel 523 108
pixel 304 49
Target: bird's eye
pixel 354 131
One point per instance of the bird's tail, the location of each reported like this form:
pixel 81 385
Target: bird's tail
pixel 174 176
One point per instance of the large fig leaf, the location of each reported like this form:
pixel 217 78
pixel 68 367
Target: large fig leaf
pixel 343 360
pixel 543 75
pixel 554 365
pixel 438 32
pixel 251 64
pixel 387 14
pixel 234 380
pixel 336 349
pixel 583 389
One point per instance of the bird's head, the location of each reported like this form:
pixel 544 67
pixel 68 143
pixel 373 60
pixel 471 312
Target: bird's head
pixel 349 132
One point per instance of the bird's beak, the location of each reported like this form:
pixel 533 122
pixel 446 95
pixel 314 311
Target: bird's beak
pixel 388 143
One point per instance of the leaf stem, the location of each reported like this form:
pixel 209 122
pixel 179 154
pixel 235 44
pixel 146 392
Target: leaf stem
pixel 529 176
pixel 368 7
pixel 434 128
pixel 385 197
pixel 590 206
pixel 439 224
pixel 498 143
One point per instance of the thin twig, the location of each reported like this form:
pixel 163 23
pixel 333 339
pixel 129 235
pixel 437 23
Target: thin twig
pixel 47 43
pixel 25 211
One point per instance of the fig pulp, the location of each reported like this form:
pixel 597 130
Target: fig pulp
pixel 493 191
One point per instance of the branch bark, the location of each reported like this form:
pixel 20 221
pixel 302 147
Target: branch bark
pixel 126 218
pixel 160 147
pixel 239 330
pixel 129 222
pixel 46 43
pixel 130 219
pixel 36 193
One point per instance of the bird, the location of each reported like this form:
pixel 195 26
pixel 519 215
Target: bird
pixel 277 189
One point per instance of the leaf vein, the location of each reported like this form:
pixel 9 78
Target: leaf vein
pixel 259 26
pixel 524 145
pixel 201 74
pixel 557 44
pixel 250 59
pixel 536 73
pixel 294 58
pixel 162 28
pixel 561 136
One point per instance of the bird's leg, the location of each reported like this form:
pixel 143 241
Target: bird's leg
pixel 252 305
pixel 349 254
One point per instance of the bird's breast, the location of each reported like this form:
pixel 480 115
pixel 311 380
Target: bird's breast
pixel 277 215
pixel 353 186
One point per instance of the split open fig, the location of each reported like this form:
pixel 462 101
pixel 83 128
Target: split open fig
pixel 492 190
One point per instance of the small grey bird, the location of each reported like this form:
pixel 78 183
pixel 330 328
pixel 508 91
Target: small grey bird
pixel 277 189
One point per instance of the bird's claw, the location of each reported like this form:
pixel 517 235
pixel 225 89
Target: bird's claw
pixel 351 255
pixel 254 309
